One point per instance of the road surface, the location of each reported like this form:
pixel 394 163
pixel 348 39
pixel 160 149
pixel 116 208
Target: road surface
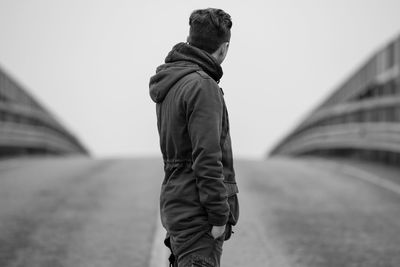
pixel 78 212
pixel 312 212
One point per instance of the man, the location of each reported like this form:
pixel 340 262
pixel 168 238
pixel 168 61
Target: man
pixel 198 201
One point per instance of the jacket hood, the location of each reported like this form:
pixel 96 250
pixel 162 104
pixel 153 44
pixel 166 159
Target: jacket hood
pixel 181 61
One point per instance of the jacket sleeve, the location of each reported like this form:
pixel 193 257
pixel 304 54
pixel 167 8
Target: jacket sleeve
pixel 204 117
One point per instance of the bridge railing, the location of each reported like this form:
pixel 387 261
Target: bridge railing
pixel 361 117
pixel 27 127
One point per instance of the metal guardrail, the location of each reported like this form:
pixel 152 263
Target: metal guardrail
pixel 361 117
pixel 26 127
pixel 35 138
pixel 376 136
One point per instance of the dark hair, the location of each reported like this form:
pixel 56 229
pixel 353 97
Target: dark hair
pixel 209 28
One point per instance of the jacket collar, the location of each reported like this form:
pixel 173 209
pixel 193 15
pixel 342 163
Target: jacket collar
pixel 187 52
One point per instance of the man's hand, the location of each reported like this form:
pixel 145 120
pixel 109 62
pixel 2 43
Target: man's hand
pixel 217 231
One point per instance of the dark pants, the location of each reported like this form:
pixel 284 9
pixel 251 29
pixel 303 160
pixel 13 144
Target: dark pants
pixel 205 252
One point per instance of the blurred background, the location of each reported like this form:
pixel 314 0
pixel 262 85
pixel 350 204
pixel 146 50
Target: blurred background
pixel 89 62
pixel 313 93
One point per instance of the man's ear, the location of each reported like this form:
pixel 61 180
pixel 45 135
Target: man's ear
pixel 221 52
pixel 226 45
pixel 224 49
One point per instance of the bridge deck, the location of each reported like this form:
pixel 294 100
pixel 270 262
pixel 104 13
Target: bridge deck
pixel 82 212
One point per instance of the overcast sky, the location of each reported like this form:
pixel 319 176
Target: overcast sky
pixel 89 62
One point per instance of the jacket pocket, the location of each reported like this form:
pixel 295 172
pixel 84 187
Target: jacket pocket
pixel 233 201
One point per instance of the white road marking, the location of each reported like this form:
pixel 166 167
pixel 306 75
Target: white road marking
pixel 159 253
pixel 376 180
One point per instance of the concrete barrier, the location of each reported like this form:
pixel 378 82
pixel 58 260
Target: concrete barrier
pixel 361 117
pixel 26 127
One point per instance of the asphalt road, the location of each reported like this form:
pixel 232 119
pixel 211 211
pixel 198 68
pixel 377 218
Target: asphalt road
pixel 76 212
pixel 312 212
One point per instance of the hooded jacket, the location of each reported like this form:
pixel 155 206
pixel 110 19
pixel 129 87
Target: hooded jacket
pixel 199 187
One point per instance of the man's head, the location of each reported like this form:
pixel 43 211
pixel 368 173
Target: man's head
pixel 210 30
